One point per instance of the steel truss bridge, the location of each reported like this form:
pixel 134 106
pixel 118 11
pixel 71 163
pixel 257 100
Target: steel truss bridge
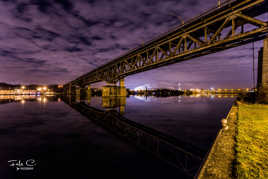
pixel 233 23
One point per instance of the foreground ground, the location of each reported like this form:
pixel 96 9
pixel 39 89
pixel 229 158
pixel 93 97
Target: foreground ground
pixel 252 141
pixel 241 149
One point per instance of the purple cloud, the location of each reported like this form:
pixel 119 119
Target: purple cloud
pixel 55 41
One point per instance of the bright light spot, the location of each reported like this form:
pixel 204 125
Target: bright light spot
pixel 197 95
pixel 45 100
pixel 23 87
pixel 143 87
pixel 197 90
pixel 142 98
pixel 45 88
pixel 42 99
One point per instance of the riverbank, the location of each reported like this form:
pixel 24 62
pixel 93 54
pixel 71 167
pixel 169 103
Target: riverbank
pixel 241 149
pixel 219 162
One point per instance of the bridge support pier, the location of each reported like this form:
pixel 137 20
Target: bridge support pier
pixel 69 90
pixel 88 91
pixel 77 94
pixel 122 88
pixel 113 90
pixel 263 69
pixel 65 91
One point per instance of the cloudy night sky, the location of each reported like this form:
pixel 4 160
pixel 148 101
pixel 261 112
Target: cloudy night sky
pixel 55 41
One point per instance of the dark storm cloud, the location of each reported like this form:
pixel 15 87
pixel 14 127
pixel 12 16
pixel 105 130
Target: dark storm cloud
pixel 58 40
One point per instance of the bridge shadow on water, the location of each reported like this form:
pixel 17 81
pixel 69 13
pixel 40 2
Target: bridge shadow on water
pixel 186 157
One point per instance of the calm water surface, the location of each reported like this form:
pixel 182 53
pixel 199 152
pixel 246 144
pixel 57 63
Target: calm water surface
pixel 194 119
pixel 66 144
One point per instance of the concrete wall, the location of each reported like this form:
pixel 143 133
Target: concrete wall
pixel 265 66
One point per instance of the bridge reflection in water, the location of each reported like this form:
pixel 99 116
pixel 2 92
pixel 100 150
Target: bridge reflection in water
pixel 179 154
pixel 115 102
pixel 185 156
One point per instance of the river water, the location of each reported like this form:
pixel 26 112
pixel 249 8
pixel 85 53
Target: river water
pixel 58 142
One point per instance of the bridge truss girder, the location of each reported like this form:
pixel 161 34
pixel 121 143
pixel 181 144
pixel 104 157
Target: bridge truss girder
pixel 235 25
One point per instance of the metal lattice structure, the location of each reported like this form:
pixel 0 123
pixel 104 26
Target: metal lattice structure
pixel 232 24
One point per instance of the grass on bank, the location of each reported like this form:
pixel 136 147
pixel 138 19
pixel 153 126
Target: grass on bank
pixel 252 141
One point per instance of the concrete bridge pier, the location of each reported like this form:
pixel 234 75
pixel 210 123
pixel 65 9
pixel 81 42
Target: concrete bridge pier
pixel 69 90
pixel 122 88
pixel 88 91
pixel 72 89
pixel 263 69
pixel 109 90
pixel 114 90
pixel 77 93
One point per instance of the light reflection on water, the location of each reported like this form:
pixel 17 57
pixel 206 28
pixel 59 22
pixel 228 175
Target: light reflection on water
pixel 45 128
pixel 194 119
